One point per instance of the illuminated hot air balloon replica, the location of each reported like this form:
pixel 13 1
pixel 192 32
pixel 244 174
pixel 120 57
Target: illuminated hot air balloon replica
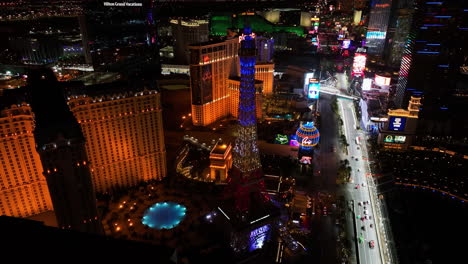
pixel 308 137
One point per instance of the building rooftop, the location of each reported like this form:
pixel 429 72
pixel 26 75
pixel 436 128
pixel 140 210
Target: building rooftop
pixel 220 149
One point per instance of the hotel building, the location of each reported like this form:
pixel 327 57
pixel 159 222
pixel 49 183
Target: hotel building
pixel 211 64
pixel 124 134
pixel 186 32
pixel 23 188
pixel 214 81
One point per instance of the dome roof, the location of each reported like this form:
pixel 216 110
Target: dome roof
pixel 307 135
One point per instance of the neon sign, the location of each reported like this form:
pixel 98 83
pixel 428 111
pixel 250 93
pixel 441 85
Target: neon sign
pixel 359 64
pixel 258 237
pixel 281 139
pixel 244 37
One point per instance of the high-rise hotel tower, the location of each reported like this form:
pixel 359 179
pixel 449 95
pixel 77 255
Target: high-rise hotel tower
pixel 211 64
pixel 214 79
pixel 23 188
pixel 124 133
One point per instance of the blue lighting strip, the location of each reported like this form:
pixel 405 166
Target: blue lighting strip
pixel 433 25
pixel 423 27
pixel 444 108
pixel 442 66
pixel 442 16
pixel 428 52
pixel 433 44
pixel 420 41
pixel 434 3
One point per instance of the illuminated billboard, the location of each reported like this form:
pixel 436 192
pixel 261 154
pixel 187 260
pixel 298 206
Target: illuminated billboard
pixel 382 80
pixel 366 84
pixel 307 77
pixel 258 237
pixel 359 64
pixel 395 139
pixel 397 123
pixel 346 43
pixel 314 89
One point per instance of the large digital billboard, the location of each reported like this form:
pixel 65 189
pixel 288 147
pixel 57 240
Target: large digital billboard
pixel 366 84
pixel 307 77
pixel 395 139
pixel 382 80
pixel 397 123
pixel 207 82
pixel 201 85
pixel 359 64
pixel 314 89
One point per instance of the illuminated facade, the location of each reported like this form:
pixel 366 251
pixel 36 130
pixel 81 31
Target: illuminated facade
pixel 264 72
pixel 378 24
pixel 211 64
pixel 124 133
pixel 398 132
pixel 233 85
pixel 23 188
pixel 220 162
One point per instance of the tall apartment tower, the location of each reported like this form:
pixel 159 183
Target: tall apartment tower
pixel 211 64
pixel 124 134
pixel 378 23
pixel 265 49
pixel 400 28
pixel 264 67
pixel 187 32
pixel 23 188
pixel 61 146
pixel 436 49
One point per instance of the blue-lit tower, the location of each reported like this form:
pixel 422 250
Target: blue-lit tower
pixel 246 176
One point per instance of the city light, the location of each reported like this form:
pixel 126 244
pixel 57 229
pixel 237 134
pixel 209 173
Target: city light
pixel 359 64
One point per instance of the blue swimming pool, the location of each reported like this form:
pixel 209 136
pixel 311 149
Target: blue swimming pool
pixel 164 215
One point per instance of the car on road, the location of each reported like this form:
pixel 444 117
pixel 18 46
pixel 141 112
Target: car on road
pixel 363 184
pixel 363 228
pixel 357 186
pixel 359 203
pixel 366 212
pixel 371 225
pixel 371 244
pixel 356 159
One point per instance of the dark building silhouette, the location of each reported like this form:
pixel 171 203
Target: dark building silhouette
pixel 431 65
pixel 37 239
pixel 60 144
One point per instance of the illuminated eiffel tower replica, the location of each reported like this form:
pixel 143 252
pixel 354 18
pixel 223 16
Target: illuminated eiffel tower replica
pixel 250 213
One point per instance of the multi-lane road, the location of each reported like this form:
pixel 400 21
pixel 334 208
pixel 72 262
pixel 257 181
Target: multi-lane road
pixel 361 190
